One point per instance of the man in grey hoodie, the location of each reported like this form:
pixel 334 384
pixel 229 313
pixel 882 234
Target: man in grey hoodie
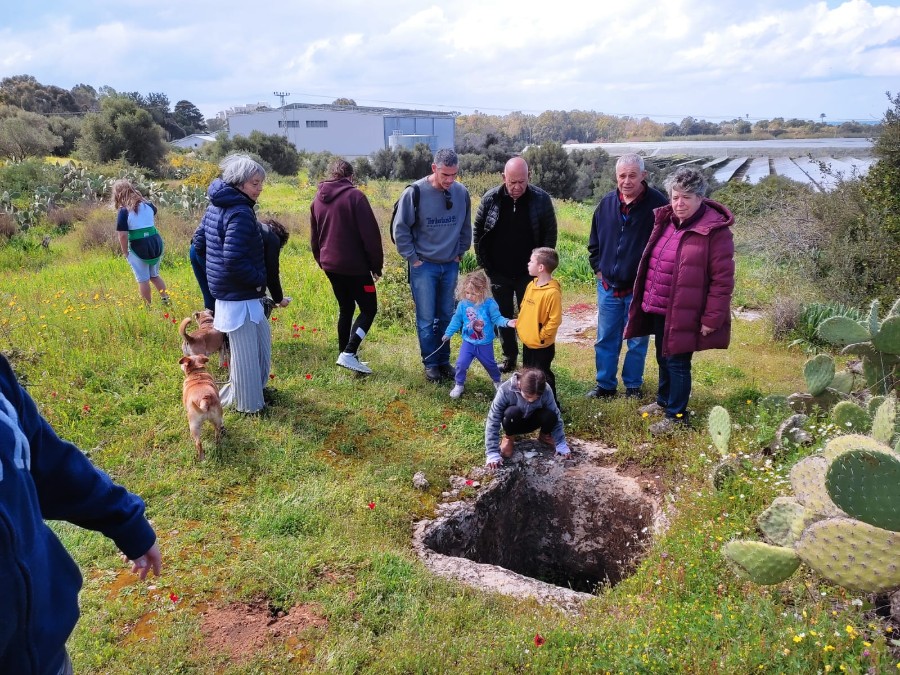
pixel 432 230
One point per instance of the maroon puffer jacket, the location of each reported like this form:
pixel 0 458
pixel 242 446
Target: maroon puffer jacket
pixel 702 283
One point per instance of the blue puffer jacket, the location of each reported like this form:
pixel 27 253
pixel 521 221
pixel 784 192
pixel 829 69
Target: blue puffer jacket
pixel 230 238
pixel 42 476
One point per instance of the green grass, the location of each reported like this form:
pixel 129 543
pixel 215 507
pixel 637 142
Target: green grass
pixel 279 511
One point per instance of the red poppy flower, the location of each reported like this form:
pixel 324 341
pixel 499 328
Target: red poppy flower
pixel 274 318
pixel 174 321
pixel 166 315
pixel 173 597
pixel 302 327
pixel 443 426
pixel 538 640
pixel 309 376
pixel 294 326
pixel 371 505
pixel 271 376
pixel 314 330
pixel 53 394
pixel 401 391
pixel 470 482
pixel 295 335
pixel 86 408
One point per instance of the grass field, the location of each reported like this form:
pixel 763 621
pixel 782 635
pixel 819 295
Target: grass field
pixel 310 505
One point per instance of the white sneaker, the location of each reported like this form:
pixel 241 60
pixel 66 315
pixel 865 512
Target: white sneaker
pixel 348 360
pixel 457 391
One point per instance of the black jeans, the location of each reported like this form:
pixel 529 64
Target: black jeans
pixel 352 291
pixel 509 293
pixel 514 423
pixel 542 359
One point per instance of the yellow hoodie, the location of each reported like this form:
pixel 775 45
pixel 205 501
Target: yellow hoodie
pixel 540 314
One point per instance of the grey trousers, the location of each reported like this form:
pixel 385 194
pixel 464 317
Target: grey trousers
pixel 251 359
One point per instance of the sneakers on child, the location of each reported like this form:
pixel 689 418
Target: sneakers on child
pixel 350 361
pixel 457 391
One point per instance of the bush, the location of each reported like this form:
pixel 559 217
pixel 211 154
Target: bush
pixel 122 129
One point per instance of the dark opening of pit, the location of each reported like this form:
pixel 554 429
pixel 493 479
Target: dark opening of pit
pixel 579 527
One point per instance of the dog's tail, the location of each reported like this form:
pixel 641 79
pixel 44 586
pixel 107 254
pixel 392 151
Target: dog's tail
pixel 207 400
pixel 182 328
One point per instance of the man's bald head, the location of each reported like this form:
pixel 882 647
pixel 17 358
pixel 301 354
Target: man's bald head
pixel 515 177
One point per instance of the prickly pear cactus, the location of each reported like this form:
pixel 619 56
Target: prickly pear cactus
pixel 719 425
pixel 866 486
pixel 808 482
pixel 888 338
pixel 852 554
pixel 783 522
pixel 761 563
pixel 844 522
pixel 841 331
pixel 848 416
pixel 841 444
pixel 884 424
pixel 818 373
pixel 843 381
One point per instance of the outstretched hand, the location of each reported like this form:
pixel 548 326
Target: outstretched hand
pixel 151 560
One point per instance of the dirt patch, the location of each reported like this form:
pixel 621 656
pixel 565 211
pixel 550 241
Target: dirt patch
pixel 544 528
pixel 240 630
pixel 579 325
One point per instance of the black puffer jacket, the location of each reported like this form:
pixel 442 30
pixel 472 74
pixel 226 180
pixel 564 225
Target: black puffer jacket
pixel 540 215
pixel 230 238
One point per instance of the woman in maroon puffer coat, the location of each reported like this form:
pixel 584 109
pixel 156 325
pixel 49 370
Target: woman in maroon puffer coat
pixel 682 293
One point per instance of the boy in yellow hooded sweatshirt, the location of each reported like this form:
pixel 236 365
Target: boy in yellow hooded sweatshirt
pixel 540 314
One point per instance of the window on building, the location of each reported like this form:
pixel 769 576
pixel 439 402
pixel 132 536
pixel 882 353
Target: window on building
pixel 290 124
pixel 316 124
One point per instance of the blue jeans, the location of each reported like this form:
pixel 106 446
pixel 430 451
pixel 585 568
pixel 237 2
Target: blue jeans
pixel 433 287
pixel 674 375
pixel 612 313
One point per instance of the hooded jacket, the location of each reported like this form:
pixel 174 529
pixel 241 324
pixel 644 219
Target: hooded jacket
pixel 232 243
pixel 540 314
pixel 42 476
pixel 508 395
pixel 344 234
pixel 702 282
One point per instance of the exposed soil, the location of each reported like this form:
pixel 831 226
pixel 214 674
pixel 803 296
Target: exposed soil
pixel 579 325
pixel 544 528
pixel 240 630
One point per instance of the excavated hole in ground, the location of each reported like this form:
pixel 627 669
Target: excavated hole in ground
pixel 573 524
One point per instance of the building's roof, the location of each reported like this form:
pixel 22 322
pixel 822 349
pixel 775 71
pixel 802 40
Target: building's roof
pixel 402 112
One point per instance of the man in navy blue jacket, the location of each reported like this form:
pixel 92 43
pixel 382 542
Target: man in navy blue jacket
pixel 42 476
pixel 620 229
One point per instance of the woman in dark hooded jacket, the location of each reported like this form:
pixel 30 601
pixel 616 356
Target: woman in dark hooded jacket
pixel 346 244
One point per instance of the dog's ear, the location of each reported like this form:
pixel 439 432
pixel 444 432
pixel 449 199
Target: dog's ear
pixel 202 359
pixel 184 359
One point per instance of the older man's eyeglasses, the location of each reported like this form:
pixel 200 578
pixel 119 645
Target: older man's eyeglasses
pixel 447 201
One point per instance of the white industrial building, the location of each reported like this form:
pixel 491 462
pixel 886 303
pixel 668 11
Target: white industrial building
pixel 348 131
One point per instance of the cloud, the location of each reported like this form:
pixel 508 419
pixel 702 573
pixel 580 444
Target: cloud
pixel 704 58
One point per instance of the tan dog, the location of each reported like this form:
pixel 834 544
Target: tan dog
pixel 200 396
pixel 205 340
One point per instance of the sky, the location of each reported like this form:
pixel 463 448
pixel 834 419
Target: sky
pixel 663 59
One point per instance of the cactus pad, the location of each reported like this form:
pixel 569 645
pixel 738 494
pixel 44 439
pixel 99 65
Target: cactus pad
pixel 808 482
pixel 761 563
pixel 783 522
pixel 841 444
pixel 888 338
pixel 852 554
pixel 842 331
pixel 843 381
pixel 720 428
pixel 876 374
pixel 866 485
pixel 818 373
pixel 884 424
pixel 874 324
pixel 874 403
pixel 722 472
pixel 849 417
